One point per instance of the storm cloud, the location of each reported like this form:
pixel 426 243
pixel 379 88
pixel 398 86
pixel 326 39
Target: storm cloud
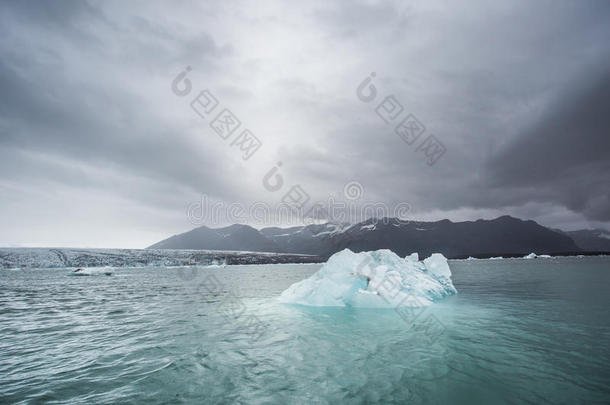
pixel 96 149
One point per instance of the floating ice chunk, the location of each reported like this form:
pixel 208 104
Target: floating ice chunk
pixel 92 271
pixel 378 279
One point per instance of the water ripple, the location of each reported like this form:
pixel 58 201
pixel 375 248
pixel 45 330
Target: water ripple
pixel 511 335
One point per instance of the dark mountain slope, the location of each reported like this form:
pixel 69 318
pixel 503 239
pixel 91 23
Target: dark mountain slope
pixel 503 235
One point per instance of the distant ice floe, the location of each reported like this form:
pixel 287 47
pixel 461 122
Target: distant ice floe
pixel 217 264
pixel 535 256
pixel 377 279
pixel 92 271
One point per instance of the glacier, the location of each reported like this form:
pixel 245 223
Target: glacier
pixel 376 279
pixel 13 258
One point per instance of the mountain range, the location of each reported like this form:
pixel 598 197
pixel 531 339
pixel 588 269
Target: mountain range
pixel 503 236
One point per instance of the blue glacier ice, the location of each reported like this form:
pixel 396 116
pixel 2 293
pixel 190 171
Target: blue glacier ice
pixel 377 279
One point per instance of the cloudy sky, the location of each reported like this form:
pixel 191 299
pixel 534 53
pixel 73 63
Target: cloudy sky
pixel 98 150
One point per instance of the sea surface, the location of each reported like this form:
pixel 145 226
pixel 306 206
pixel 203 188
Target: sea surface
pixel 518 332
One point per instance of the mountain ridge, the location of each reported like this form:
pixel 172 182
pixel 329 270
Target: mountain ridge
pixel 503 235
pixel 590 239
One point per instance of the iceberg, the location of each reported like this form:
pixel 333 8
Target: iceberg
pixel 377 279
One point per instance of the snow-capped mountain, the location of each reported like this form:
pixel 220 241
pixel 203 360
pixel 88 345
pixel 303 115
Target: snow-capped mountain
pixel 501 236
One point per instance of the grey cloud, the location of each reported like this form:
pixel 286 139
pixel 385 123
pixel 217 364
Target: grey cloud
pixel 88 116
pixel 516 91
pixel 352 19
pixel 564 156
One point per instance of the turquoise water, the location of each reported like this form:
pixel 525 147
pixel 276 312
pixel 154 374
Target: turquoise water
pixel 519 331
